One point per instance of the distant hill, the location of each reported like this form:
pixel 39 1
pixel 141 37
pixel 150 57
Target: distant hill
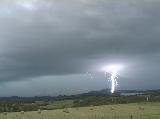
pixel 103 92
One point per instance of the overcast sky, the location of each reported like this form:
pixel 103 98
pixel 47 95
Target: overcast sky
pixel 48 46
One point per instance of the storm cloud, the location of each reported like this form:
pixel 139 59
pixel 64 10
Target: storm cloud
pixel 40 38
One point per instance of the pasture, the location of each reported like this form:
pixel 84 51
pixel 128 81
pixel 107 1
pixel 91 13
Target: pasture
pixel 119 111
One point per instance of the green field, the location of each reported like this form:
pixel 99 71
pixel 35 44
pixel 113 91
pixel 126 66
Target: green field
pixel 57 104
pixel 119 111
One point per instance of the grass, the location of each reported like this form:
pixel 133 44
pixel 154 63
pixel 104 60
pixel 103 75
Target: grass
pixel 60 104
pixel 119 111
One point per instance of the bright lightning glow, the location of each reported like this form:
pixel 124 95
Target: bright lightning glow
pixel 114 82
pixel 113 70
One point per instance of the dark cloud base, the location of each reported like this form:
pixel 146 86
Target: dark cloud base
pixel 51 38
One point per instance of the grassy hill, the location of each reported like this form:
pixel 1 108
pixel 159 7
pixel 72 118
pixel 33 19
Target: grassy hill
pixel 94 98
pixel 150 110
